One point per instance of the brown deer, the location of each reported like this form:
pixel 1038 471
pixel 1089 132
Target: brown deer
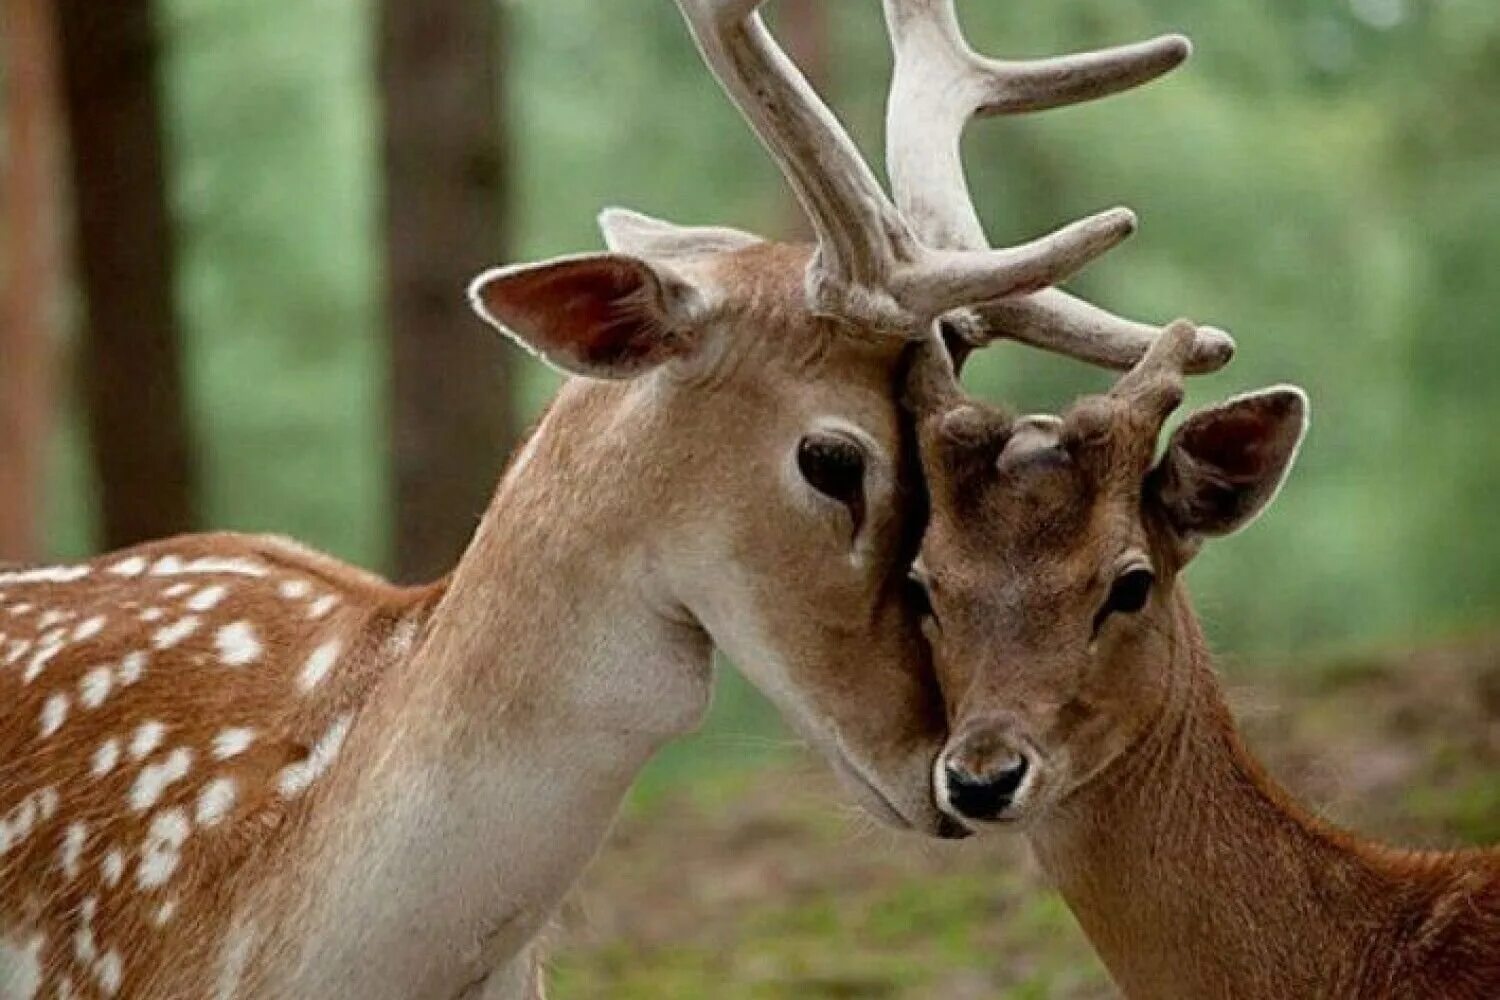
pixel 1087 713
pixel 231 766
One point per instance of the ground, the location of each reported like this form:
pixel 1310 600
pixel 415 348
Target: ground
pixel 740 883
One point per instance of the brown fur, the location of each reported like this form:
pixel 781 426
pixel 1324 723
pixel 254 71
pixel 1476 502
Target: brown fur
pixel 1192 872
pixel 195 696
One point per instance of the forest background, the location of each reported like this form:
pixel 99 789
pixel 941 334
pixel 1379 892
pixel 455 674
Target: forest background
pixel 236 233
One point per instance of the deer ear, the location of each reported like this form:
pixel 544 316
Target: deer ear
pixel 604 316
pixel 1225 464
pixel 656 239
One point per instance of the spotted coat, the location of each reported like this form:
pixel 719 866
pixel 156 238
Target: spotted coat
pixel 168 713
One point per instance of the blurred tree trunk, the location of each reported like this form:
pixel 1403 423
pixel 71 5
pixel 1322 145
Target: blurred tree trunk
pixel 125 252
pixel 446 179
pixel 28 337
pixel 802 26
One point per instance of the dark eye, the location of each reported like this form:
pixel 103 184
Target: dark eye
pixel 833 466
pixel 1127 595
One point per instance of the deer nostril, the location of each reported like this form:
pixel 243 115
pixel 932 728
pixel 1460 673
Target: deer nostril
pixel 986 797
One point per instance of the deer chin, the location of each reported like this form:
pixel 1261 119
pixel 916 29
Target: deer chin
pixel 918 814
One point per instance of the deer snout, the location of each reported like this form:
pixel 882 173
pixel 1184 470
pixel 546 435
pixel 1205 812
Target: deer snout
pixel 984 774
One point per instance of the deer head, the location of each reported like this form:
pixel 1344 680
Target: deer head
pixel 764 376
pixel 1052 559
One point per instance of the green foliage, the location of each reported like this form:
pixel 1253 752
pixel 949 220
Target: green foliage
pixel 1319 180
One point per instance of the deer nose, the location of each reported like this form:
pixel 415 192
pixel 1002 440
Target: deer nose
pixel 988 795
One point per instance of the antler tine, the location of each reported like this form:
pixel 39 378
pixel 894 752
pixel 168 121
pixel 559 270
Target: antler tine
pixel 959 278
pixel 1064 324
pixel 1154 385
pixel 940 85
pixel 870 264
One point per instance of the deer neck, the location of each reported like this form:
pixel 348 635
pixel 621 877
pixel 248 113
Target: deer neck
pixel 496 758
pixel 1195 876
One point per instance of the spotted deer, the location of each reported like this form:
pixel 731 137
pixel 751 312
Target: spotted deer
pixel 233 767
pixel 1086 710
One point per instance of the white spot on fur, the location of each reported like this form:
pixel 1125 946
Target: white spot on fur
pixel 152 615
pixel 83 944
pixel 171 635
pixel 112 868
pixel 318 664
pixel 146 739
pixel 106 757
pixel 172 566
pixel 322 606
pixel 46 574
pixel 89 628
pixel 71 852
pixel 94 687
pixel 21 969
pixel 54 714
pixel 164 913
pixel 234 567
pixel 51 618
pixel 162 851
pixel 39 661
pixel 167 566
pixel 208 598
pixel 19 824
pixel 131 668
pixel 20 609
pixel 294 779
pixel 294 590
pixel 83 940
pixel 237 644
pixel 134 566
pixel 232 742
pixel 177 590
pixel 18 649
pixel 154 778
pixel 110 972
pixel 215 801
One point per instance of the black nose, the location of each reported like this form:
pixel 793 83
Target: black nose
pixel 985 798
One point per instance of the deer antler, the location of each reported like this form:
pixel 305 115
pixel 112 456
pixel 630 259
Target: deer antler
pixel 870 265
pixel 940 85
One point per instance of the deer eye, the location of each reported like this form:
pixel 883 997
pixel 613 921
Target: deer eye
pixel 1130 591
pixel 1127 595
pixel 834 466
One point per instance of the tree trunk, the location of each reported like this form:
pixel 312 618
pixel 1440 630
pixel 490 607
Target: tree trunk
pixel 123 239
pixel 446 176
pixel 28 337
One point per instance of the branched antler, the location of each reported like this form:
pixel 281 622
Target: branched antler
pixel 940 85
pixel 900 268
pixel 870 265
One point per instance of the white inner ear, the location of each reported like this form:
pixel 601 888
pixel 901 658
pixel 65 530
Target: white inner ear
pixel 649 238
